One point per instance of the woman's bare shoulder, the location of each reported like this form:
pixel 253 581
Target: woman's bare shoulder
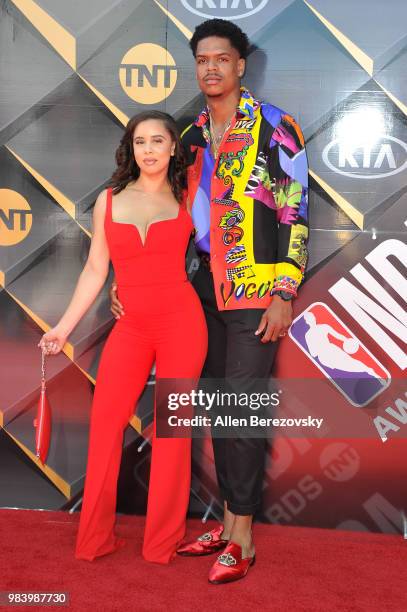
pixel 101 199
pixel 100 204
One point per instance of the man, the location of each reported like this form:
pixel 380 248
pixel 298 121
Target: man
pixel 247 181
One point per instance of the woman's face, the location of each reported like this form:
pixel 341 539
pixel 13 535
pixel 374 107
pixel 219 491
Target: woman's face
pixel 153 146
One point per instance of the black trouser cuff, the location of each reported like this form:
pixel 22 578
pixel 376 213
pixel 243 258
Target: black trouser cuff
pixel 243 510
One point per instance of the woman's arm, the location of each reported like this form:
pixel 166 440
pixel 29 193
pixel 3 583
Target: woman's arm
pixel 90 282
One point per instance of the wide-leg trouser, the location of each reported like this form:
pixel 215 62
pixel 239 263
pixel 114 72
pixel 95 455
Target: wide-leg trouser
pixel 154 327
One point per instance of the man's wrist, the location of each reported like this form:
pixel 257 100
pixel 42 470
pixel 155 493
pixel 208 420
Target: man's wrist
pixel 286 296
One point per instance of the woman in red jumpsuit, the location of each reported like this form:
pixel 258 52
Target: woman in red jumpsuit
pixel 143 226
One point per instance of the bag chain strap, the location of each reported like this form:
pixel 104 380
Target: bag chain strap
pixel 42 372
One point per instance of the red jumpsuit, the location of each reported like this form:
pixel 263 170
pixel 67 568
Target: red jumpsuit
pixel 163 322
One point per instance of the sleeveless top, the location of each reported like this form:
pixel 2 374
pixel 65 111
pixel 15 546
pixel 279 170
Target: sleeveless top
pixel 160 260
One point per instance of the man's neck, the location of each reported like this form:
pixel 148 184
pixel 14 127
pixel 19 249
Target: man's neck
pixel 222 108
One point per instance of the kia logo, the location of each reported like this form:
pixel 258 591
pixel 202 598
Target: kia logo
pixel 226 9
pixel 387 156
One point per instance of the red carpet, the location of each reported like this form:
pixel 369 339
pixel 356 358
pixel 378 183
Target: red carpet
pixel 296 569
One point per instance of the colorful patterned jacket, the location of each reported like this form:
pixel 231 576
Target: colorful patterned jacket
pixel 249 206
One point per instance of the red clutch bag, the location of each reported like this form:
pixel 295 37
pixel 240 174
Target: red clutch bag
pixel 42 422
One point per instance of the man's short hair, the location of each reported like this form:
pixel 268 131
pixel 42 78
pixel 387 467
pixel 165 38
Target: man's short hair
pixel 223 29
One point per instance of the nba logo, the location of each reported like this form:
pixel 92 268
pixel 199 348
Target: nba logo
pixel 336 351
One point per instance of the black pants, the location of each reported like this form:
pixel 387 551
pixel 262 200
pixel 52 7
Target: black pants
pixel 235 353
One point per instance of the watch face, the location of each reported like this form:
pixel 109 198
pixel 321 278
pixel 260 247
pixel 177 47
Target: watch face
pixel 285 295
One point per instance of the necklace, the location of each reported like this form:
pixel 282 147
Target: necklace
pixel 216 139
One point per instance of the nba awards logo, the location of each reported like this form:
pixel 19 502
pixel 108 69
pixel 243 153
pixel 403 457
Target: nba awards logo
pixel 225 9
pixel 339 354
pixel 148 73
pixel 15 217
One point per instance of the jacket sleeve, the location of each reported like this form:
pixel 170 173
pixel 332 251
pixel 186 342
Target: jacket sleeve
pixel 291 197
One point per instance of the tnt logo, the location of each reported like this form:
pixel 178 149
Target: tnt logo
pixel 148 73
pixel 342 357
pixel 339 462
pixel 15 217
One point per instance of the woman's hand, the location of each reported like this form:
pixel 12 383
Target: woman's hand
pixel 53 341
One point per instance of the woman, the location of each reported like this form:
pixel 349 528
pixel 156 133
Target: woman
pixel 142 224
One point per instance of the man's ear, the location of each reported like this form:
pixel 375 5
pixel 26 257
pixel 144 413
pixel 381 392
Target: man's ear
pixel 241 65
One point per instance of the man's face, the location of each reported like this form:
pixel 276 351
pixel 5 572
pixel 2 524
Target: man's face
pixel 218 66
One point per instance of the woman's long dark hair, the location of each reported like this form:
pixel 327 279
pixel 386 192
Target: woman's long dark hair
pixel 127 170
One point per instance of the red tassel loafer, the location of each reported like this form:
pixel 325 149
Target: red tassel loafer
pixel 230 566
pixel 206 544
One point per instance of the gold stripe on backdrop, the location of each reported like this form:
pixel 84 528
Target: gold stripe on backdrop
pixel 58 37
pixel 360 56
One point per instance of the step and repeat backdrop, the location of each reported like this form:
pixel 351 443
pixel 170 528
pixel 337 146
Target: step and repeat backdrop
pixel 71 74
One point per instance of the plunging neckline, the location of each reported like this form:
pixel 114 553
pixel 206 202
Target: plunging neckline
pixel 143 244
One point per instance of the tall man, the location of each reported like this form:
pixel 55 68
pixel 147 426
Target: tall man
pixel 248 184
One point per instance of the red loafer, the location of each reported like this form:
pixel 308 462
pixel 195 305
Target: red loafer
pixel 230 566
pixel 206 544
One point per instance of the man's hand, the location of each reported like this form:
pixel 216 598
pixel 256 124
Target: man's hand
pixel 115 306
pixel 276 320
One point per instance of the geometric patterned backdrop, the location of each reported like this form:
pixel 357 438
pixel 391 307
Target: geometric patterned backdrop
pixel 71 75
